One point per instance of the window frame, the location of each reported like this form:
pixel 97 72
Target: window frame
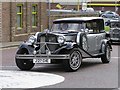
pixel 21 16
pixel 35 15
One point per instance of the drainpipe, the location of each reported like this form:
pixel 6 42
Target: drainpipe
pixel 11 22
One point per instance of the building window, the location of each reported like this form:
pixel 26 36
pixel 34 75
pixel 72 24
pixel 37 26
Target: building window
pixel 34 15
pixel 19 15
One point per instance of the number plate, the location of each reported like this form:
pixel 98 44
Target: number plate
pixel 41 61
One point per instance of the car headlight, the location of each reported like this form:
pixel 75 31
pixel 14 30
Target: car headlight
pixel 32 39
pixel 61 39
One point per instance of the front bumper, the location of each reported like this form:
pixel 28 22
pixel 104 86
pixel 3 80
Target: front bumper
pixel 42 56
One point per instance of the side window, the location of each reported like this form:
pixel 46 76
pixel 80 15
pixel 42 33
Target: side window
pixel 89 27
pixel 95 27
pixel 110 13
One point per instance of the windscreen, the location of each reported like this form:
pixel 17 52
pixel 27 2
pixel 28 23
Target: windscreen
pixel 67 26
pixel 115 24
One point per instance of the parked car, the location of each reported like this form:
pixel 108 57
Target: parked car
pixel 69 41
pixel 110 14
pixel 114 30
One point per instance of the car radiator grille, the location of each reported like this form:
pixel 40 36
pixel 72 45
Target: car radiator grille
pixel 48 43
pixel 115 33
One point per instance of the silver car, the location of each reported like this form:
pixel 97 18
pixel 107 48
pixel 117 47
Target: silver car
pixel 110 14
pixel 114 30
pixel 69 41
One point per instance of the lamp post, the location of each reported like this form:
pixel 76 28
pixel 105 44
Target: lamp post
pixel 78 5
pixel 49 7
pixel 116 6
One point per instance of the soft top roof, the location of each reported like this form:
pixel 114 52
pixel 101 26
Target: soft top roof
pixel 77 19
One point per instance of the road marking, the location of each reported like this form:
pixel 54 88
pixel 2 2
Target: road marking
pixel 8 48
pixel 22 79
pixel 115 57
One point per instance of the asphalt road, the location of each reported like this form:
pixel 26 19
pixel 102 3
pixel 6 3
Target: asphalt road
pixel 92 74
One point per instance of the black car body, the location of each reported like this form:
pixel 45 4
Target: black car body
pixel 69 41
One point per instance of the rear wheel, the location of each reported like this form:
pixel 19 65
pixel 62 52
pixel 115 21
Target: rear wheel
pixel 24 64
pixel 74 62
pixel 107 54
pixel 104 16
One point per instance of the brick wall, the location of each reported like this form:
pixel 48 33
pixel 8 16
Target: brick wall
pixel 5 21
pixel 10 31
pixel 43 18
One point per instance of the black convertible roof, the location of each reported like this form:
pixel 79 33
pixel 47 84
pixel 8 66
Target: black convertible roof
pixel 77 19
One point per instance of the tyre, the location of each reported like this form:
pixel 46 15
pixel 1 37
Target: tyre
pixel 113 16
pixel 74 63
pixel 104 16
pixel 84 42
pixel 107 54
pixel 24 64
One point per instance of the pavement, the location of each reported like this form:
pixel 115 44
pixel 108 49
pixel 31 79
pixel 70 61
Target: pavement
pixel 10 44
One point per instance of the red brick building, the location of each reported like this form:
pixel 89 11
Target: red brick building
pixel 19 20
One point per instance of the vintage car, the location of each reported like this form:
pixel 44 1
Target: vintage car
pixel 69 41
pixel 114 30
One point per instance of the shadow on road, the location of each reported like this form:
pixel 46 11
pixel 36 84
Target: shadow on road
pixel 60 67
pixel 88 64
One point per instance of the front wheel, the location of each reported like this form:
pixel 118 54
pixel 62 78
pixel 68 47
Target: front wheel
pixel 74 62
pixel 24 64
pixel 107 54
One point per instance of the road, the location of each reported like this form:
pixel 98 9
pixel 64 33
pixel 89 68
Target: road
pixel 92 74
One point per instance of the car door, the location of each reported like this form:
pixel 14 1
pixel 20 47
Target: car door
pixel 91 36
pixel 91 42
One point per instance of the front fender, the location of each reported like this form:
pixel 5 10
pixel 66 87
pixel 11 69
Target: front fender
pixel 29 48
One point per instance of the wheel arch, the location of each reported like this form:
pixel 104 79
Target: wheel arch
pixel 105 42
pixel 26 48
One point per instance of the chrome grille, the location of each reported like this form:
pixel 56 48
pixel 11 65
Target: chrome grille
pixel 48 42
pixel 115 33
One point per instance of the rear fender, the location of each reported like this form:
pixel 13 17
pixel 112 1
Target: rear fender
pixel 74 45
pixel 104 43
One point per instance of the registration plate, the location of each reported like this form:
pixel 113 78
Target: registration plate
pixel 41 61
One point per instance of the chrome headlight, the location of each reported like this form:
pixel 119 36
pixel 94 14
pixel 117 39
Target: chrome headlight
pixel 32 39
pixel 61 39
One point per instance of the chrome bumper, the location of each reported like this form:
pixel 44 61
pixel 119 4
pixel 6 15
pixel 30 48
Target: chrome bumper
pixel 42 56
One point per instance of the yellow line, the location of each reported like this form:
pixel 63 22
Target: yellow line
pixel 97 4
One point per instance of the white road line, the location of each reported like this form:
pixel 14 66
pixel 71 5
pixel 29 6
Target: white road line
pixel 115 57
pixel 22 79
